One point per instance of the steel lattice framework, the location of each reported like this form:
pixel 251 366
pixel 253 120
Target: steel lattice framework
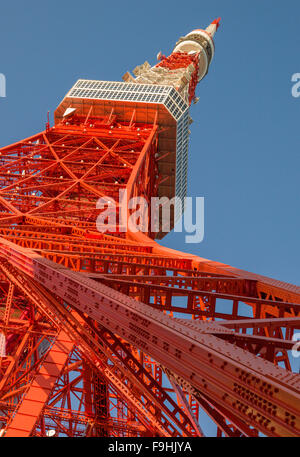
pixel 111 334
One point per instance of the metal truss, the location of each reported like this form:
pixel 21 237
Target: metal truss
pixel 112 334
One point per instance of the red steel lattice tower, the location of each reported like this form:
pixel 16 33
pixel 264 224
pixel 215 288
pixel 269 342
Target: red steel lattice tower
pixel 90 345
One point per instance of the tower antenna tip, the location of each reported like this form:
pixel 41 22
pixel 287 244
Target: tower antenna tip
pixel 217 22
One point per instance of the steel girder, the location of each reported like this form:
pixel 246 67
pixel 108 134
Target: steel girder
pixel 89 347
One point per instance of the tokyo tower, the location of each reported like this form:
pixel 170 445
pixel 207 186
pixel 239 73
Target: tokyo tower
pixel 107 333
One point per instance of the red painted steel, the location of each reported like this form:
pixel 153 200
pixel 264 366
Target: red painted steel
pixel 112 334
pixel 33 401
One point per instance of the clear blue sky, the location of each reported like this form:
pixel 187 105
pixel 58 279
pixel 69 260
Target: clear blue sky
pixel 244 148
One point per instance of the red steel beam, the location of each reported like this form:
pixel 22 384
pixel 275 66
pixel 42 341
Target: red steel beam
pixel 33 402
pixel 236 379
